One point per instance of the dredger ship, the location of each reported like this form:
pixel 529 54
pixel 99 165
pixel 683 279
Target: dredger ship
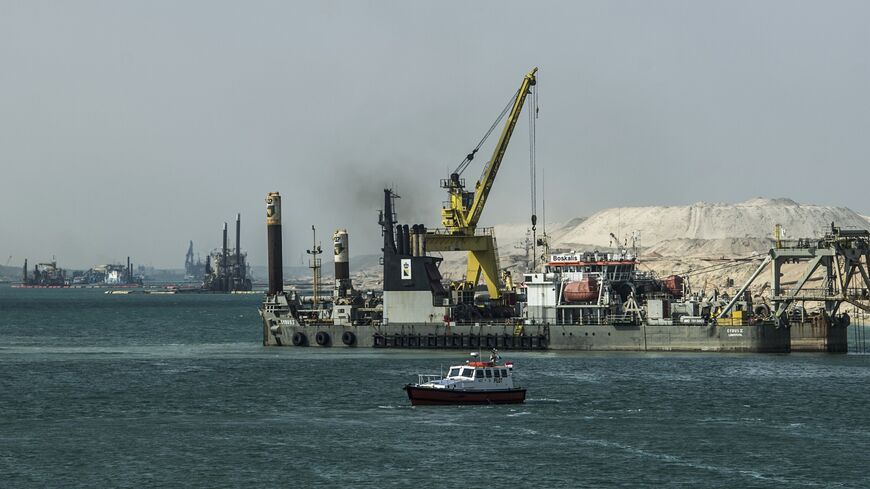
pixel 574 301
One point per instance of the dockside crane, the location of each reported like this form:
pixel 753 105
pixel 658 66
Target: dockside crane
pixel 462 212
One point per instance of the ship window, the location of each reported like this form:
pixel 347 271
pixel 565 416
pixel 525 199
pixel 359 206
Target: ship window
pixel 467 372
pixel 497 373
pixel 488 373
pixel 478 373
pixel 504 373
pixel 454 372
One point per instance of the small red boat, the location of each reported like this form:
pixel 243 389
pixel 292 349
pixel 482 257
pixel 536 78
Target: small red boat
pixel 472 383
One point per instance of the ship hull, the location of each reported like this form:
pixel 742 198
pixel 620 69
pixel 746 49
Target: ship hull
pixel 423 396
pixel 756 338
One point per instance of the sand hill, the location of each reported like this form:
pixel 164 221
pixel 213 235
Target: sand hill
pixel 707 229
pixel 688 239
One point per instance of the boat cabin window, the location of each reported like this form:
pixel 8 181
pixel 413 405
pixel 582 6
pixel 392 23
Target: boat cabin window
pixel 454 372
pixel 467 372
pixel 497 373
pixel 478 373
pixel 504 373
pixel 488 373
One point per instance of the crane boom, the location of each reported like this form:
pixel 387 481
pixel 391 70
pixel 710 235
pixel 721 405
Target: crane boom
pixel 462 213
pixel 482 188
pixel 464 208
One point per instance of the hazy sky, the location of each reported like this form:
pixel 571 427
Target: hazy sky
pixel 128 128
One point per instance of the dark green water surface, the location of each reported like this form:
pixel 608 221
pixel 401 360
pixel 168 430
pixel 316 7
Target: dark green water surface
pixel 155 391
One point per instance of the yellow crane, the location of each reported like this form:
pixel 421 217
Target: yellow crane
pixel 462 212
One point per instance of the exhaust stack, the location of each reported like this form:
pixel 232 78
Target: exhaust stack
pixel 273 228
pixel 238 272
pixel 342 263
pixel 224 275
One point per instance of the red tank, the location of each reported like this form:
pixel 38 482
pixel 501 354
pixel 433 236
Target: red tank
pixel 673 284
pixel 585 290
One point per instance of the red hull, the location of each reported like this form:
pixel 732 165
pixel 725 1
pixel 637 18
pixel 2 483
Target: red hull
pixel 421 396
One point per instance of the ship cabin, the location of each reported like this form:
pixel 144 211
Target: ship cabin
pixel 612 267
pixel 472 375
pixel 591 281
pixel 488 372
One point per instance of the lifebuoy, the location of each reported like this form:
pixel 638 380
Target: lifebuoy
pixel 299 339
pixel 348 338
pixel 322 338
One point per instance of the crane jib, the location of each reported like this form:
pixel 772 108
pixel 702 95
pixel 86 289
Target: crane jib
pixel 498 153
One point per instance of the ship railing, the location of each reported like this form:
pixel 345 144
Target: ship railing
pixel 477 324
pixel 477 232
pixel 613 319
pixel 275 308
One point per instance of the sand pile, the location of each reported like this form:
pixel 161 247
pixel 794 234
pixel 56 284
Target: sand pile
pixel 709 229
pixel 675 239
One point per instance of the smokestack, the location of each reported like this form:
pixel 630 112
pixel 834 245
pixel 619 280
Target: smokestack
pixel 407 237
pixel 24 282
pixel 238 276
pixel 400 241
pixel 342 263
pixel 386 223
pixel 225 279
pixel 273 228
pixel 413 240
pixel 421 241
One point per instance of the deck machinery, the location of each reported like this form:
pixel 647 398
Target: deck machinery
pixel 461 214
pixel 835 272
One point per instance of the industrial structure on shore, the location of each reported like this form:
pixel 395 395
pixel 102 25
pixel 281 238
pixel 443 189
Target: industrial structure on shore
pixel 48 274
pixel 193 270
pixel 587 300
pixel 225 270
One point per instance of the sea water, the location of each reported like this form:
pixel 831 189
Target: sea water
pixel 137 391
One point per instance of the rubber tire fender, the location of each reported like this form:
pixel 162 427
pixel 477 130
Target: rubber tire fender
pixel 348 338
pixel 299 339
pixel 322 338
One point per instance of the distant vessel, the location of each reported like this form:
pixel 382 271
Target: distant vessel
pixel 474 382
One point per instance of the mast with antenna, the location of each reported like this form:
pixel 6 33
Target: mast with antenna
pixel 314 265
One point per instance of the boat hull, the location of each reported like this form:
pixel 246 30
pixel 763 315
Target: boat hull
pixel 425 396
pixel 756 338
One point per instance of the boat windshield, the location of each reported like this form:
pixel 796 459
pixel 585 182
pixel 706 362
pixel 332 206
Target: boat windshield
pixel 454 372
pixel 468 372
